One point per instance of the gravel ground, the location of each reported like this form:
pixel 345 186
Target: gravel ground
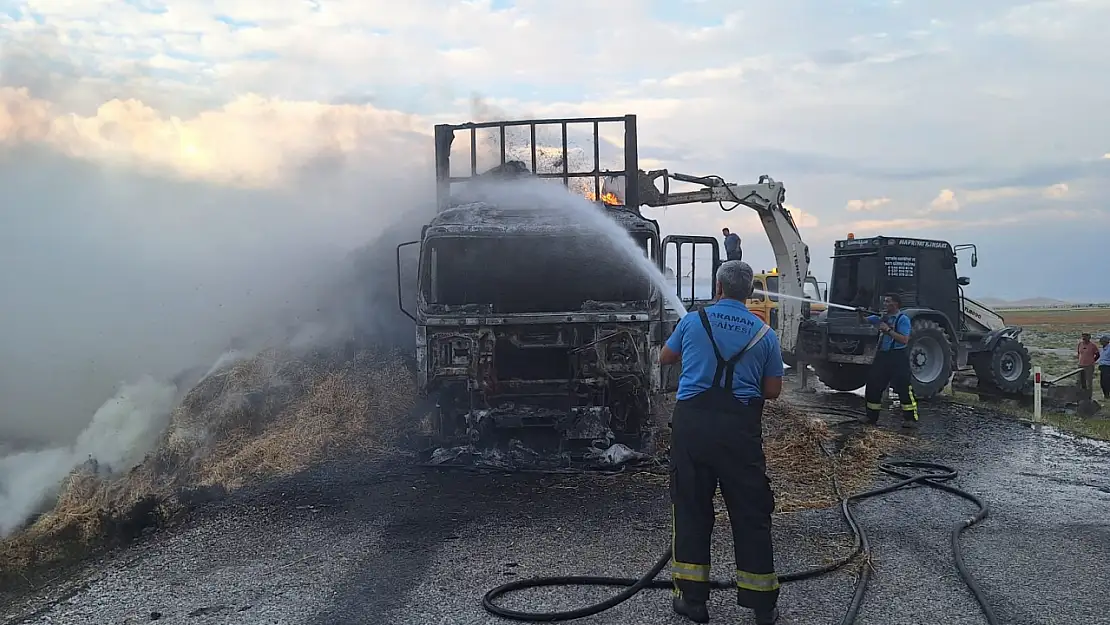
pixel 377 543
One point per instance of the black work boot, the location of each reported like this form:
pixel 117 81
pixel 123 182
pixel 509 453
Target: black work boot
pixel 767 618
pixel 696 611
pixel 909 423
pixel 871 418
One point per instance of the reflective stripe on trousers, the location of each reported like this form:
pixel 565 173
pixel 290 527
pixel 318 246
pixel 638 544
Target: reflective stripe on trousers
pixel 909 410
pixel 890 369
pixel 759 582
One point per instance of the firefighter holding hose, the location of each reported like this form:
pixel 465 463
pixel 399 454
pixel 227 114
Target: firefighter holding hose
pixel 731 364
pixel 891 366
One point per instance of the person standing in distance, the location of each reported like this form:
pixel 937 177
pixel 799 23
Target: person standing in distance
pixel 732 245
pixel 731 364
pixel 891 366
pixel 1104 365
pixel 1088 354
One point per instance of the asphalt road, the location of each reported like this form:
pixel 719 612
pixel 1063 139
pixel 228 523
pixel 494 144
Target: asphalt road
pixel 385 543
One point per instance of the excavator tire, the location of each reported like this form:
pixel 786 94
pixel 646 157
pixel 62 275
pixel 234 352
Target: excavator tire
pixel 841 376
pixel 1006 367
pixel 930 358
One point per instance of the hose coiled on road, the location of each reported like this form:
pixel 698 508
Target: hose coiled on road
pixel 929 474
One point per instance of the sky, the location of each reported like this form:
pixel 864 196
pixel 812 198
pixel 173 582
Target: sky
pixel 977 122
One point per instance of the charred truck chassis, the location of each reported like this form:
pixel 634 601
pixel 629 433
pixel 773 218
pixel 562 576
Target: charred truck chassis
pixel 574 382
pixel 567 359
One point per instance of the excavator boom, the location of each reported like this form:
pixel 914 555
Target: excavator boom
pixel 767 197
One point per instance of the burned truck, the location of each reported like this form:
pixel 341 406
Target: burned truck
pixel 531 324
pixel 544 323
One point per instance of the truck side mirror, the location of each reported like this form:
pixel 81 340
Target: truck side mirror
pixel 963 281
pixel 974 258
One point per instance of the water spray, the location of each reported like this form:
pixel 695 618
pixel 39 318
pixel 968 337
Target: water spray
pixel 806 299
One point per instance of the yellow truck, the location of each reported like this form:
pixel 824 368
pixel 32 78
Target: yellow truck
pixel 766 306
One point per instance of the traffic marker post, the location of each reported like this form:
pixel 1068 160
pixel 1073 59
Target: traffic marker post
pixel 1037 381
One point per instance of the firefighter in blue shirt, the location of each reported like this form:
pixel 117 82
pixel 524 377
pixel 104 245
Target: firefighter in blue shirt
pixel 731 363
pixel 891 366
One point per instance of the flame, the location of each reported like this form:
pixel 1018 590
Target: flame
pixel 607 198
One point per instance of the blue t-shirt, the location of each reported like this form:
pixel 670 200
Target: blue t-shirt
pixel 733 327
pixel 901 325
pixel 732 243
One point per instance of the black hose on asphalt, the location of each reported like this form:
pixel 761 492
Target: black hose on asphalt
pixel 933 475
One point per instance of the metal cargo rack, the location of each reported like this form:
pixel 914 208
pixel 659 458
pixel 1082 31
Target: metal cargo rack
pixel 445 136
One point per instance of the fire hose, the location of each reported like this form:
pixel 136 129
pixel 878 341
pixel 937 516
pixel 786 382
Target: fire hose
pixel 928 474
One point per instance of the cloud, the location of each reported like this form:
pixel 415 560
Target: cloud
pixel 1051 20
pixel 803 219
pixel 847 107
pixel 252 141
pixel 856 206
pixel 933 226
pixel 1056 191
pixel 944 202
pixel 950 201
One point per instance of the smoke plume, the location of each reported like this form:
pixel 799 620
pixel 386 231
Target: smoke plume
pixel 137 248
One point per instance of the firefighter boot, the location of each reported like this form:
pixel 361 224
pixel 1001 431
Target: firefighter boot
pixel 767 618
pixel 696 611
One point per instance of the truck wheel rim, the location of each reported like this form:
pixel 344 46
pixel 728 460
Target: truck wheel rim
pixel 1009 366
pixel 926 359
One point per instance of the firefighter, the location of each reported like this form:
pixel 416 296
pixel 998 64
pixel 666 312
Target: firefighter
pixel 891 366
pixel 731 363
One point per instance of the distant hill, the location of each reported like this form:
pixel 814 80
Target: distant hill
pixel 1032 302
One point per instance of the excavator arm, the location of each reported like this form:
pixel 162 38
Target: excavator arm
pixel 767 198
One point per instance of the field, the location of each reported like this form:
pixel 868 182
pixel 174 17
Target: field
pixel 1096 317
pixel 1051 336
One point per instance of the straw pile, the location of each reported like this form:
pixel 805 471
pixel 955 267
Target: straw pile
pixel 272 415
pixel 801 473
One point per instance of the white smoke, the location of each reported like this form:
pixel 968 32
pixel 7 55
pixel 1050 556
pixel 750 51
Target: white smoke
pixel 120 433
pixel 153 249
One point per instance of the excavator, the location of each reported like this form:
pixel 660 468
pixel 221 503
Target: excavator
pixel 767 197
pixel 951 331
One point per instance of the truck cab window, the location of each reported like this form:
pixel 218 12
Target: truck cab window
pixel 854 279
pixel 811 291
pixel 773 287
pixel 758 285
